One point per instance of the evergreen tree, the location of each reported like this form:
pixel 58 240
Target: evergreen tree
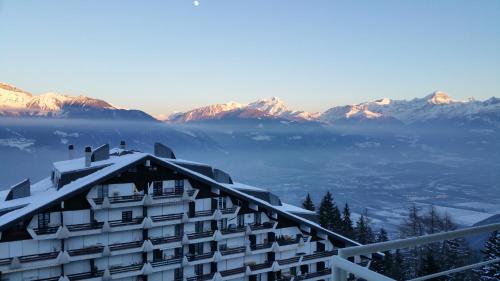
pixel 308 203
pixel 336 219
pixel 398 268
pixel 347 227
pixel 429 264
pixel 384 265
pixel 491 250
pixel 325 211
pixel 364 234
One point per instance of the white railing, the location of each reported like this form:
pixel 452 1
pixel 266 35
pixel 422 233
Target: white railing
pixel 342 266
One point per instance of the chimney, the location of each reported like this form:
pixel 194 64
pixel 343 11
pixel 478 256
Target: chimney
pixel 71 151
pixel 122 145
pixel 88 156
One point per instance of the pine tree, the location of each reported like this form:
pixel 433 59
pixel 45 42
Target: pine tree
pixel 347 228
pixel 491 251
pixel 364 234
pixel 429 264
pixel 325 211
pixel 336 219
pixel 308 203
pixel 383 265
pixel 398 269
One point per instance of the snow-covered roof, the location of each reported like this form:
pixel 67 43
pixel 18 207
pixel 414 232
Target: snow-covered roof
pixel 44 194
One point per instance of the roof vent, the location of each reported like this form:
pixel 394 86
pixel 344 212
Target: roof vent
pixel 19 190
pixel 100 153
pixel 222 177
pixel 71 152
pixel 163 151
pixel 88 156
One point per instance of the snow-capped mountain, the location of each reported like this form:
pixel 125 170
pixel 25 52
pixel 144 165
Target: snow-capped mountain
pixel 437 105
pixel 273 108
pixel 17 102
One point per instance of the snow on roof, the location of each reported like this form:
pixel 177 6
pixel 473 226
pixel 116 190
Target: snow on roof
pixel 117 163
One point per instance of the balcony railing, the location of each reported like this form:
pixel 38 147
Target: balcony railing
pixel 205 213
pixel 5 261
pixel 234 271
pixel 120 199
pixel 190 192
pixel 85 275
pixel 198 235
pixel 133 221
pixel 48 279
pixel 197 257
pixel 166 217
pixel 260 266
pixel 320 273
pixel 228 210
pixel 259 226
pixel 284 242
pixel 38 257
pixel 318 255
pixel 232 230
pixel 174 260
pixel 232 251
pixel 263 246
pixel 177 192
pixel 43 230
pixel 164 240
pixel 124 246
pixel 86 251
pixel 289 261
pixel 203 277
pixel 85 226
pixel 126 268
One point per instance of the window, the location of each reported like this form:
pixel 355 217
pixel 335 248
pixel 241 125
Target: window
pixel 127 216
pixel 222 224
pixel 157 255
pixel 43 220
pixel 179 229
pixel 179 183
pixel 258 218
pixel 240 220
pixel 102 191
pixel 198 269
pixel 221 203
pixel 178 274
pixel 157 188
pixel 198 227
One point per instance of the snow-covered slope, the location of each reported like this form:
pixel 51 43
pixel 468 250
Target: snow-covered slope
pixel 272 108
pixel 16 102
pixel 437 105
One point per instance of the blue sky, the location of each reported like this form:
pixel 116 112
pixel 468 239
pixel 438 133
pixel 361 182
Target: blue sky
pixel 162 56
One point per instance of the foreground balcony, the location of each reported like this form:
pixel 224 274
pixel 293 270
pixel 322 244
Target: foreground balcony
pixel 313 276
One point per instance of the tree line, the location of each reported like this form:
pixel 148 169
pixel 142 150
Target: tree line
pixel 404 264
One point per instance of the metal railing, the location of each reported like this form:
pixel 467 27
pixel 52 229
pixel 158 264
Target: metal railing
pixel 341 266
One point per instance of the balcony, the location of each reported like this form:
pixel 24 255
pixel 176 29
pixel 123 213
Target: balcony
pixel 92 250
pixel 232 232
pixel 287 243
pixel 311 276
pixel 232 251
pixel 261 248
pixel 198 237
pixel 294 260
pixel 45 230
pixel 176 192
pixel 89 228
pixel 126 271
pixel 85 275
pixel 128 247
pixel 166 242
pixel 318 255
pixel 234 272
pixel 120 199
pixel 167 264
pixel 5 261
pixel 265 227
pixel 38 257
pixel 204 277
pixel 134 223
pixel 193 259
pixel 167 219
pixel 261 267
pixel 48 279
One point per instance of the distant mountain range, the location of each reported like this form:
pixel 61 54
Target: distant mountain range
pixel 437 106
pixel 15 102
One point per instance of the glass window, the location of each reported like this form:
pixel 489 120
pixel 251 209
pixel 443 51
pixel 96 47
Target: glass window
pixel 43 220
pixel 157 188
pixel 127 216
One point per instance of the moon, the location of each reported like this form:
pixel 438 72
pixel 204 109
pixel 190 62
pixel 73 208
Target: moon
pixel 196 3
